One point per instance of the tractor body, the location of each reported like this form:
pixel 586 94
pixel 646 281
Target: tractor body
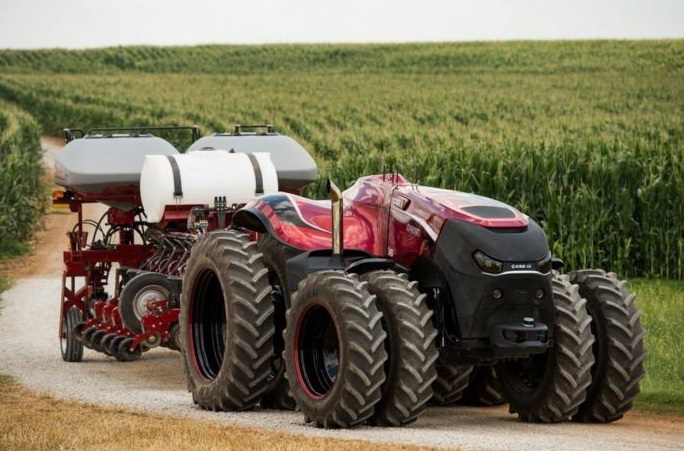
pixel 486 266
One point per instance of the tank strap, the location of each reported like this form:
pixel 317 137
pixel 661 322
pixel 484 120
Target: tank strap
pixel 258 178
pixel 177 186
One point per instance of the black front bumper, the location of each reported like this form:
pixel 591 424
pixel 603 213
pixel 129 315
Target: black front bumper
pixel 494 316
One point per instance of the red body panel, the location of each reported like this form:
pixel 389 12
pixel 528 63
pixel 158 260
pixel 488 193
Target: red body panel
pixel 384 215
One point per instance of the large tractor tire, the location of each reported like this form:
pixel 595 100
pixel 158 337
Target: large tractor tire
pixel 410 346
pixel 484 388
pixel 70 344
pixel 276 254
pixel 226 322
pixel 451 382
pixel 137 294
pixel 335 350
pixel 618 349
pixel 550 387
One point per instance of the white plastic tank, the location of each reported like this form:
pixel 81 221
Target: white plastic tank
pixel 202 176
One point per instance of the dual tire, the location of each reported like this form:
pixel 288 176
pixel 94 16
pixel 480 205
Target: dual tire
pixel 334 350
pixel 409 344
pixel 593 370
pixel 550 387
pixel 360 349
pixel 619 347
pixel 226 322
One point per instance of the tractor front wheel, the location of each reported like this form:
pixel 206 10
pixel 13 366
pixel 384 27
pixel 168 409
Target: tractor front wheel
pixel 618 349
pixel 334 350
pixel 549 387
pixel 410 347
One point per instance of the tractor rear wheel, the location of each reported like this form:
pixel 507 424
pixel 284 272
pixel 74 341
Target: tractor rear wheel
pixel 334 350
pixel 618 349
pixel 484 388
pixel 410 346
pixel 70 343
pixel 550 387
pixel 276 254
pixel 226 322
pixel 137 294
pixel 451 382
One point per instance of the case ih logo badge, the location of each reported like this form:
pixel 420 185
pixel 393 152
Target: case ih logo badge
pixel 521 266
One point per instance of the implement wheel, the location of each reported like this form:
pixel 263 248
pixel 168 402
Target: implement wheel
pixel 410 346
pixel 226 322
pixel 550 387
pixel 87 335
pixel 70 342
pixel 124 353
pixel 334 350
pixel 113 345
pixel 105 344
pixel 137 294
pixel 174 340
pixel 618 349
pixel 96 339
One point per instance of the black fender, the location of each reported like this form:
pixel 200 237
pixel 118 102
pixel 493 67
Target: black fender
pixel 351 261
pixel 252 219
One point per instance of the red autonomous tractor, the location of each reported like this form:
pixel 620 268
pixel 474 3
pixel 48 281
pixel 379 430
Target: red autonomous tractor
pixel 429 284
pixel 367 307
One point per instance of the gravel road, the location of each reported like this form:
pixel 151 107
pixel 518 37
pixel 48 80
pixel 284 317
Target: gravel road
pixel 29 351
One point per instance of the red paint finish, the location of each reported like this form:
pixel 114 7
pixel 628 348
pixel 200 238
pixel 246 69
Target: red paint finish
pixel 384 215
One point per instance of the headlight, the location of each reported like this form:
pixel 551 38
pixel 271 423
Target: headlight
pixel 488 264
pixel 544 266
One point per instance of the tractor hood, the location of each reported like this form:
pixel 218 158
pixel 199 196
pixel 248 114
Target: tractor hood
pixel 435 206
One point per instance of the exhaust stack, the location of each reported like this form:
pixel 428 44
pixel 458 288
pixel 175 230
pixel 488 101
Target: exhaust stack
pixel 337 220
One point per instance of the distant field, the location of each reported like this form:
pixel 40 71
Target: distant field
pixel 586 137
pixel 22 188
pixel 663 304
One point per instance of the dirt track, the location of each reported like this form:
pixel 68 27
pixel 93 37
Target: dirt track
pixel 30 352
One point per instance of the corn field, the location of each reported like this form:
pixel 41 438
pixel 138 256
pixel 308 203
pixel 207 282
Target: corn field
pixel 585 137
pixel 22 189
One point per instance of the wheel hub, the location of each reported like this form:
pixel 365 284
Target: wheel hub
pixel 146 296
pixel 318 352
